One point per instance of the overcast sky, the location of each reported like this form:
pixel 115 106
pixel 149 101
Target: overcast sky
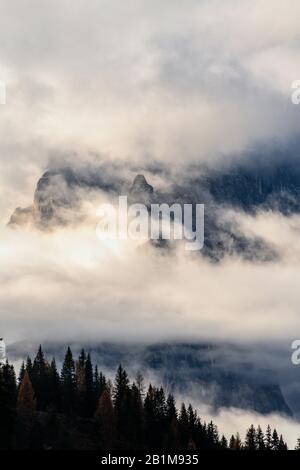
pixel 142 80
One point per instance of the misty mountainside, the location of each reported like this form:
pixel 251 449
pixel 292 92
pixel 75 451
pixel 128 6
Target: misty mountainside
pixel 60 193
pixel 200 372
pixel 215 375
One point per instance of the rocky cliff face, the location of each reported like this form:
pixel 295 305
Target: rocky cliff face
pixel 61 191
pixel 140 186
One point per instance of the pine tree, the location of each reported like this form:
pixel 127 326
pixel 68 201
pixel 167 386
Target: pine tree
pixel 172 439
pixel 89 403
pixel 298 444
pixel 29 366
pixel 9 378
pixel 21 373
pixel 82 358
pixel 192 417
pixel 260 439
pixel 140 383
pixel 183 424
pixel 106 420
pixel 68 383
pixel 232 443
pixel 238 442
pixel 80 373
pixel 235 442
pixel 150 418
pixel 275 440
pixel 40 379
pixel 268 439
pixel 100 384
pixel 160 404
pixel 109 386
pixel 212 435
pixel 223 443
pixel 103 384
pixel 55 386
pixel 135 423
pixel 8 393
pixel 155 416
pixel 250 441
pixel 96 383
pixel 26 404
pixel 171 411
pixel 281 444
pixel 120 400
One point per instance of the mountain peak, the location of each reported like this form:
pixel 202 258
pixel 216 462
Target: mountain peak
pixel 140 185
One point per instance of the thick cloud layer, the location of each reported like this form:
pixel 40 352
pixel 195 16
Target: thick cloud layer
pixel 68 283
pixel 199 80
pixel 231 421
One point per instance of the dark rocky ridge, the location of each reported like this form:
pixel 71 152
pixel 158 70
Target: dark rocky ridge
pixel 59 192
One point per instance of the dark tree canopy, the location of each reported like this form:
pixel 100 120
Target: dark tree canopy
pixel 78 408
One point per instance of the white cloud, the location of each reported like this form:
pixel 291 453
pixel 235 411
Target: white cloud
pixel 171 81
pixel 69 283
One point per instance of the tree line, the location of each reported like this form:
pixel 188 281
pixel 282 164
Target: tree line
pixel 79 408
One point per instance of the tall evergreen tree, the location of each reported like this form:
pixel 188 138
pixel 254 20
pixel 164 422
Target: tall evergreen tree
pixel 26 404
pixel 298 444
pixel 183 422
pixel 139 380
pixel 232 442
pixel 121 398
pixel 238 442
pixel 80 374
pixel 212 435
pixel 268 438
pixel 55 386
pixel 106 420
pixel 260 439
pixel 192 417
pixel 21 373
pixel 171 411
pixel 29 366
pixel 275 440
pixel 68 383
pixel 7 405
pixel 135 423
pixel 40 379
pixel 9 378
pixel 26 409
pixel 250 441
pixel 82 358
pixel 281 444
pixel 89 397
pixel 150 419
pixel 235 442
pixel 223 443
pixel 100 384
